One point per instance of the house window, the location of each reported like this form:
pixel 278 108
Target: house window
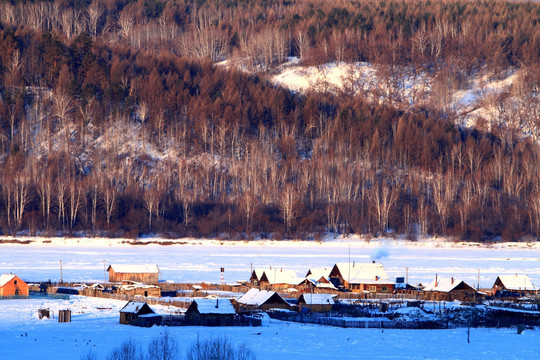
pixel 372 289
pixel 15 282
pixel 384 289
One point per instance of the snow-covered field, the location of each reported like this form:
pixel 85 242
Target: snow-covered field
pixel 24 336
pixel 200 260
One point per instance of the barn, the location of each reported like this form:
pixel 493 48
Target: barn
pixel 256 299
pixel 210 312
pixel 139 314
pixel 12 285
pixel 520 284
pixel 362 277
pixel 145 273
pixel 316 302
pixel 442 289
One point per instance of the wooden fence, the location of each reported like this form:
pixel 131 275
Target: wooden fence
pixel 373 323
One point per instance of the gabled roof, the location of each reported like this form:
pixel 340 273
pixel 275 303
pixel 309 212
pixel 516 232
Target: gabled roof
pixel 130 269
pixel 317 299
pixel 278 276
pixel 317 273
pixel 133 307
pixel 364 273
pixel 258 273
pixel 256 297
pixel 5 278
pixel 213 306
pixel 517 282
pixel 446 285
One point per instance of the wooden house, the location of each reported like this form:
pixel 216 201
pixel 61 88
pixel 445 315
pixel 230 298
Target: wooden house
pixel 316 302
pixel 256 299
pixel 210 312
pixel 443 289
pixel 258 276
pixel 138 289
pixel 362 277
pixel 12 285
pixel 146 273
pixel 517 284
pixel 275 278
pixel 139 314
pixel 319 278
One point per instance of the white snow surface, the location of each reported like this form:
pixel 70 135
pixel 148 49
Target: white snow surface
pixel 195 260
pixel 95 327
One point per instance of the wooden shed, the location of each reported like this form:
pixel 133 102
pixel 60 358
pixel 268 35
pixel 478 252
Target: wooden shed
pixel 139 314
pixel 12 285
pixel 443 289
pixel 256 299
pixel 146 273
pixel 210 312
pixel 316 302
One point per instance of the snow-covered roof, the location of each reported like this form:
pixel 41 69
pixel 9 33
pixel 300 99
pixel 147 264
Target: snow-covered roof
pixel 5 278
pixel 130 285
pixel 132 307
pixel 317 273
pixel 280 276
pixel 129 269
pixel 517 282
pixel 214 306
pixel 318 299
pixel 444 285
pixel 322 285
pixel 255 297
pixel 365 273
pixel 259 273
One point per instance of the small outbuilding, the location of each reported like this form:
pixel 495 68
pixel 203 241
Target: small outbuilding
pixel 316 302
pixel 210 312
pixel 519 284
pixel 12 285
pixel 145 273
pixel 256 299
pixel 139 314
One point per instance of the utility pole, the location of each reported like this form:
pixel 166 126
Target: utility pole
pixel 104 272
pixel 61 273
pixel 406 275
pixel 478 281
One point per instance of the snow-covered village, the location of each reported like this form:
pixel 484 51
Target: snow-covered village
pixel 339 298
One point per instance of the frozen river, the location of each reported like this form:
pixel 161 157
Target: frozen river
pixel 199 260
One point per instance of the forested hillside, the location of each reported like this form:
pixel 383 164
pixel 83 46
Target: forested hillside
pixel 115 119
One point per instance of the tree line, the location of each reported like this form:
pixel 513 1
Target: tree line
pixel 102 135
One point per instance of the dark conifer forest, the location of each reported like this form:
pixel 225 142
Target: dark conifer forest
pixel 118 118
